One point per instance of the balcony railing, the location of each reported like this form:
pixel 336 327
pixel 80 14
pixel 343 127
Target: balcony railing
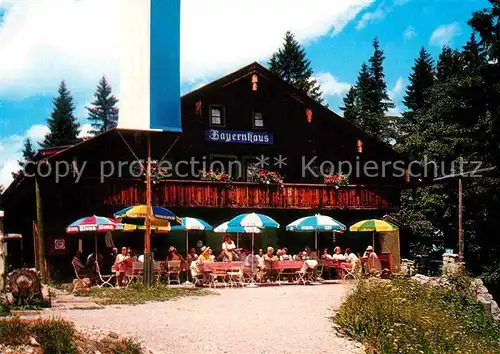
pixel 204 194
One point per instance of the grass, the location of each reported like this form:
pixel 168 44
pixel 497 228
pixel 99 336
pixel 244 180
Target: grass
pixel 57 336
pixel 139 294
pixel 402 316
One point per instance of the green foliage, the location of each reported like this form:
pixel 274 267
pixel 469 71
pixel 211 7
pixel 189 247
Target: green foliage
pixel 366 104
pixel 63 126
pixel 125 346
pixel 291 64
pixel 139 294
pixel 13 331
pixel 402 316
pixel 103 113
pixel 55 336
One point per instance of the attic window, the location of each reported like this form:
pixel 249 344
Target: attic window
pixel 309 115
pixel 360 146
pixel 217 115
pixel 258 120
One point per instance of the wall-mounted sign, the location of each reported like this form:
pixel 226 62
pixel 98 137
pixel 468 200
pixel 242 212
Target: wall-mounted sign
pixel 238 137
pixel 59 244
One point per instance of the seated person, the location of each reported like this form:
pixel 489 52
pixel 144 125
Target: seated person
pixel 91 262
pixel 337 255
pixel 205 255
pixel 242 254
pixel 284 255
pixel 78 264
pixel 326 255
pixel 173 254
pixel 373 264
pixel 252 260
pixel 307 252
pixel 260 259
pixel 228 247
pixel 192 256
pixel 269 258
pixel 350 258
pixel 221 257
pixel 120 266
pixel 314 255
pixel 300 256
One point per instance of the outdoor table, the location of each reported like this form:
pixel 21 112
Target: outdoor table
pixel 287 268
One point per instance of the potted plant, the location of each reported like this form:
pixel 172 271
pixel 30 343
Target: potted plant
pixel 268 178
pixel 337 180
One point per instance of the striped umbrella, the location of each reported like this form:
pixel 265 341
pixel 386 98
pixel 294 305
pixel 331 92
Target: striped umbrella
pixel 191 224
pixel 137 215
pixel 224 228
pixel 94 224
pixel 259 221
pixel 373 225
pixel 154 228
pixel 316 223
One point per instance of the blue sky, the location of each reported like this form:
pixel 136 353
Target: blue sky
pixel 50 40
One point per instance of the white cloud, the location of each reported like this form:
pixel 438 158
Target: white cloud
pixel 45 41
pixel 397 89
pixel 11 151
pixel 85 131
pixel 368 17
pixel 444 34
pixel 409 33
pixel 330 86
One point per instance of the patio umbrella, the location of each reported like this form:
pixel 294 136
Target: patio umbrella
pixel 223 228
pixel 136 215
pixel 154 228
pixel 316 223
pixel 373 225
pixel 191 224
pixel 94 224
pixel 259 221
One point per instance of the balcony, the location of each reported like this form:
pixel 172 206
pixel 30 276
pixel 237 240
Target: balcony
pixel 204 194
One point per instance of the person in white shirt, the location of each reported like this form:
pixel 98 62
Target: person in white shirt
pixel 338 254
pixel 350 256
pixel 326 255
pixel 284 255
pixel 260 259
pixel 228 247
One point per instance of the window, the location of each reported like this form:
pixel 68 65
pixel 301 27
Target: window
pixel 258 121
pixel 360 146
pixel 217 115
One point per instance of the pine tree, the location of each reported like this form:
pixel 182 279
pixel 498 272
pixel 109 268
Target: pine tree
pixel 363 89
pixel 291 64
pixel 103 114
pixel 421 78
pixel 381 101
pixel 350 109
pixel 64 128
pixel 28 152
pixel 448 64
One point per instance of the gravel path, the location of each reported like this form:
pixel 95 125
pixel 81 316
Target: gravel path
pixel 287 319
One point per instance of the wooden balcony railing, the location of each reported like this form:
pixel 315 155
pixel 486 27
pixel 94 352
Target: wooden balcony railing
pixel 203 194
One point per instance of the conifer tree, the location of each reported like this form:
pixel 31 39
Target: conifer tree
pixel 63 126
pixel 103 113
pixel 291 64
pixel 380 98
pixel 448 64
pixel 350 109
pixel 28 152
pixel 421 78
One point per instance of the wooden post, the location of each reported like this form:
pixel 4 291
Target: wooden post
pixel 460 230
pixel 148 259
pixel 39 221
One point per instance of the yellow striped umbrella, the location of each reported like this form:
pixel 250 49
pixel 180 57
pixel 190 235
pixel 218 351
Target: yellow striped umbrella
pixel 154 228
pixel 373 225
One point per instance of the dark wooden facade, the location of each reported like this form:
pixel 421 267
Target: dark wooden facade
pixel 301 129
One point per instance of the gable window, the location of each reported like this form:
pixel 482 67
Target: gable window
pixel 217 115
pixel 258 120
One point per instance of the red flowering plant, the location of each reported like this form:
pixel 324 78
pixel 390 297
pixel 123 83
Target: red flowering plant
pixel 220 177
pixel 338 180
pixel 158 171
pixel 268 178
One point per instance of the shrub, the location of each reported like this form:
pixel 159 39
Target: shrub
pixel 55 336
pixel 402 316
pixel 13 331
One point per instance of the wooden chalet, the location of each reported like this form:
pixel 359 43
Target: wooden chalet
pixel 240 117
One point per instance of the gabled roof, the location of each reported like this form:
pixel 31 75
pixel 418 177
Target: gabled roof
pixel 299 95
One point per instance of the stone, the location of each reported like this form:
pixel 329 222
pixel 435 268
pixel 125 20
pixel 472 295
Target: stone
pixel 495 310
pixel 482 290
pixel 484 297
pixel 113 335
pixel 33 342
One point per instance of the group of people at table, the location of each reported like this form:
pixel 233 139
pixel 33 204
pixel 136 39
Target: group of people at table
pixel 261 261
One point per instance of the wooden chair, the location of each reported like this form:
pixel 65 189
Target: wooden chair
pixel 80 277
pixel 158 270
pixel 354 272
pixel 173 272
pixel 135 273
pixel 235 276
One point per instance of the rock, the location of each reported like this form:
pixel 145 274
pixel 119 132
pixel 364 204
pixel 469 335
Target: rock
pixel 484 297
pixel 33 342
pixel 495 310
pixel 482 290
pixel 113 335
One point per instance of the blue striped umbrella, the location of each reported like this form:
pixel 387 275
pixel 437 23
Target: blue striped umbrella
pixel 253 220
pixel 224 227
pixel 316 223
pixel 191 224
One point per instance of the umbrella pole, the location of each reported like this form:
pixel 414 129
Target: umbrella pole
pixel 373 241
pixel 237 240
pixel 187 282
pixel 316 240
pixel 252 284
